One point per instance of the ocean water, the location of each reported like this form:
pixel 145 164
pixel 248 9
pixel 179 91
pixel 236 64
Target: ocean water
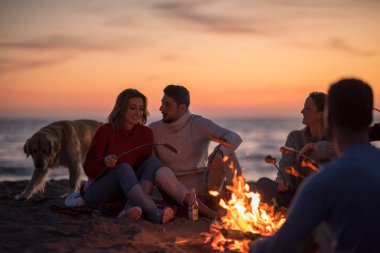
pixel 261 137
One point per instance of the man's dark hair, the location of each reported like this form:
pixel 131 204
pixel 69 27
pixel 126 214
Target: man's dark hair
pixel 179 93
pixel 350 104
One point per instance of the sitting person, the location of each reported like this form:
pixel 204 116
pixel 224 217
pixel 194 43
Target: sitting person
pixel 114 174
pixel 310 141
pixel 341 196
pixel 192 167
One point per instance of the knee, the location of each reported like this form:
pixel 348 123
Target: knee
pixel 154 163
pixel 264 183
pixel 162 174
pixel 124 169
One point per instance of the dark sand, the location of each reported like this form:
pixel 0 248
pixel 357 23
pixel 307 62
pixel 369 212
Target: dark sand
pixel 43 224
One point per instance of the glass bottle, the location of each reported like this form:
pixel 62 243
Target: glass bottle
pixel 193 206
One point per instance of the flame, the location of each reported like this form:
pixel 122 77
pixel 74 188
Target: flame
pixel 310 164
pixel 213 193
pixel 244 213
pixel 292 171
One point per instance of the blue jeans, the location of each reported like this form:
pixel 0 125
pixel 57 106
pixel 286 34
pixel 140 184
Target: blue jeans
pixel 115 184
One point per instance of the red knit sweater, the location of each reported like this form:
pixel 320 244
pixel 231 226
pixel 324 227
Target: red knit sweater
pixel 107 142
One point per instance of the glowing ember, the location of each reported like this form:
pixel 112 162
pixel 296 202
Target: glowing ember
pixel 213 193
pixel 246 215
pixel 292 171
pixel 310 164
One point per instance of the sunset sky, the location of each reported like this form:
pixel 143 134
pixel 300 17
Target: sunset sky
pixel 240 58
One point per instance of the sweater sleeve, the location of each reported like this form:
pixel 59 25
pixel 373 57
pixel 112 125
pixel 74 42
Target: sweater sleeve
pixel 214 130
pixel 94 164
pixel 325 151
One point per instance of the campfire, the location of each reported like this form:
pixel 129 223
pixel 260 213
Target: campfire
pixel 246 218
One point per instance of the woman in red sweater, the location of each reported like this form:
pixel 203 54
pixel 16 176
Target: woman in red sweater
pixel 114 177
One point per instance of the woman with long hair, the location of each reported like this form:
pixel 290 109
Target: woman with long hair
pixel 116 175
pixel 311 141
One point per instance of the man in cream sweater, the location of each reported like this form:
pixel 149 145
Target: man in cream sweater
pixel 192 167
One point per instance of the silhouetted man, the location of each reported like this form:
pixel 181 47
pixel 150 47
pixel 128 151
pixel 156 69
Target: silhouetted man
pixel 344 195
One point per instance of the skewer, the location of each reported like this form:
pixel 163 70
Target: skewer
pixel 272 160
pixel 285 149
pixel 168 146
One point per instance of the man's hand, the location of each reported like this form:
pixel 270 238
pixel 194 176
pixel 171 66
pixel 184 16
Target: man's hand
pixel 215 160
pixel 110 161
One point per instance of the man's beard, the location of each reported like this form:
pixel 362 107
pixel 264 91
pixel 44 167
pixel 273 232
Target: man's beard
pixel 167 120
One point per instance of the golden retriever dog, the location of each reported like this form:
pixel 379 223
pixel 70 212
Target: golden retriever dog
pixel 60 144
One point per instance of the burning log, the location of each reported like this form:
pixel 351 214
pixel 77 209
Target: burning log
pixel 239 235
pixel 197 240
pixel 246 219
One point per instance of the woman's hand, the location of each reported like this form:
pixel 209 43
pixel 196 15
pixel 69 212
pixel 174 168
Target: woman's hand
pixel 308 148
pixel 281 186
pixel 110 160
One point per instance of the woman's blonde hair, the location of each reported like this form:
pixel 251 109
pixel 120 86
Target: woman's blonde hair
pixel 117 116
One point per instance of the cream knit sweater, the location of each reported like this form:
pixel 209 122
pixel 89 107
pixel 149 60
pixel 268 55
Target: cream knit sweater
pixel 191 135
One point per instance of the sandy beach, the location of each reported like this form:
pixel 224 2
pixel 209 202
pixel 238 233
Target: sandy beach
pixel 43 224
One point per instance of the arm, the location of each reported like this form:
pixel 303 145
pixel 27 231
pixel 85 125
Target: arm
pixel 94 164
pixel 325 151
pixel 287 160
pixel 212 129
pixel 319 151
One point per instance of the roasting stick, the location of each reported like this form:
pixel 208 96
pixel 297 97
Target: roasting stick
pixel 271 160
pixel 219 190
pixel 227 145
pixel 285 149
pixel 168 146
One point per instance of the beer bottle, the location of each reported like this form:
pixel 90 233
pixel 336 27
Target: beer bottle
pixel 193 206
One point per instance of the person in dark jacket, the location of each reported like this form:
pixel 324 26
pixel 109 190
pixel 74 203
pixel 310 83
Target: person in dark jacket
pixel 341 196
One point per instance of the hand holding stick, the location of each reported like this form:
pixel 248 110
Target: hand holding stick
pixel 166 145
pixel 288 150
